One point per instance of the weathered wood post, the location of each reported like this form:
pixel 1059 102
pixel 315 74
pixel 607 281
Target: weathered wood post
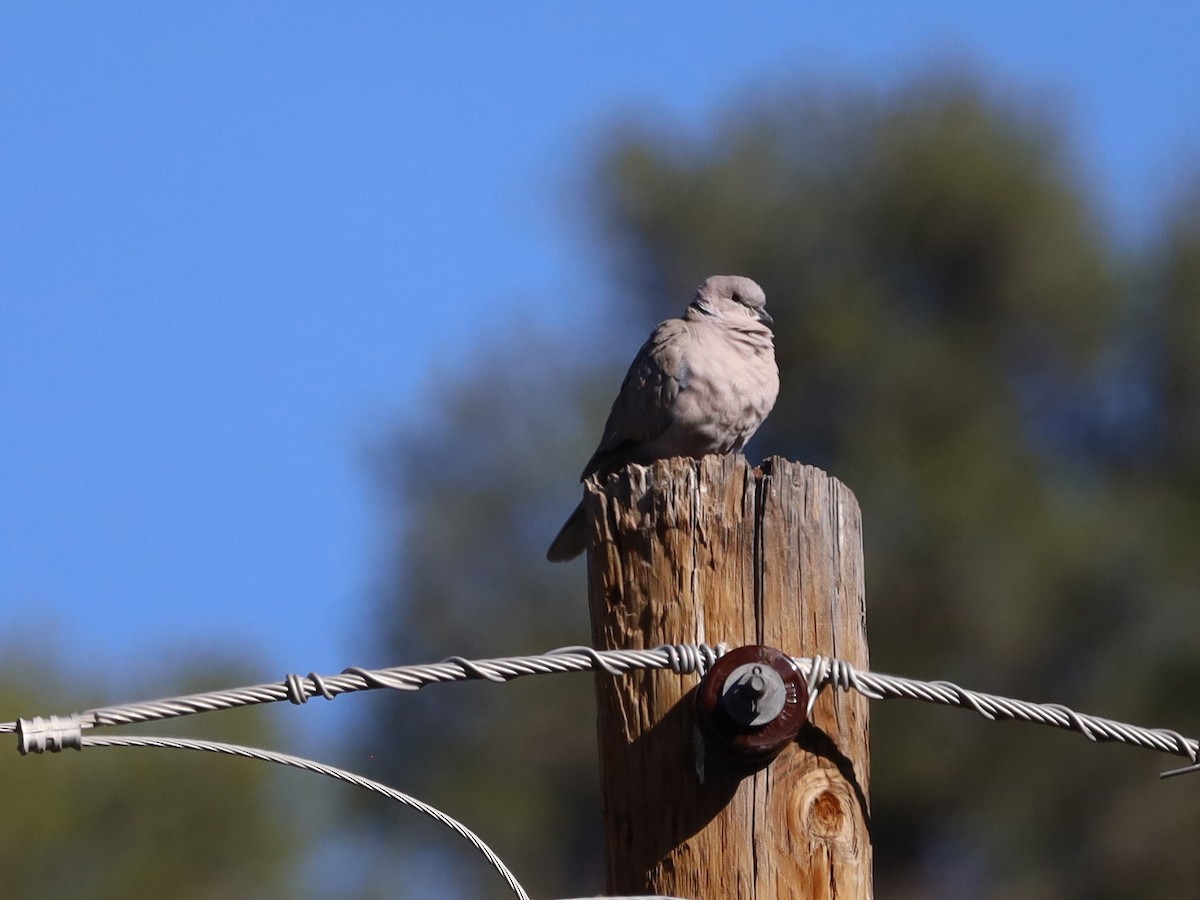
pixel 715 551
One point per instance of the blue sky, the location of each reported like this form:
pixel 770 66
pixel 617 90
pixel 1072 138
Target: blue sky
pixel 237 238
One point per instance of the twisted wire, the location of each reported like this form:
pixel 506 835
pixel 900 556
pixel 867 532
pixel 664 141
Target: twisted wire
pixel 682 658
pixel 819 671
pixel 309 765
pixel 822 671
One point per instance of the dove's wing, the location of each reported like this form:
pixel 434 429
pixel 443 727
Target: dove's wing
pixel 644 407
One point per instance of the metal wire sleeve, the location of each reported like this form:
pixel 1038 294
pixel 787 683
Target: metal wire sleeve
pixel 683 658
pixel 307 765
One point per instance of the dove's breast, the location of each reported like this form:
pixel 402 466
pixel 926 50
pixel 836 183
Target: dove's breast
pixel 727 385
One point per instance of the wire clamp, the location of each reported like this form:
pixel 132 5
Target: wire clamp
pixel 49 733
pixel 298 690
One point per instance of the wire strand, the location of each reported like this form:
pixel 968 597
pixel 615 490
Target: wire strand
pixel 309 765
pixel 56 732
pixel 682 658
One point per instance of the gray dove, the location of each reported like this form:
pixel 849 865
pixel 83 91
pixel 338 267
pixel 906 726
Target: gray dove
pixel 701 384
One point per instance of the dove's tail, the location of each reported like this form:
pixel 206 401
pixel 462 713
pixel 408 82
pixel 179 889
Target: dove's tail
pixel 571 540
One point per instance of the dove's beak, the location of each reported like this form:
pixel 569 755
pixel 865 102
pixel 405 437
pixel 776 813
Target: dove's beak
pixel 765 317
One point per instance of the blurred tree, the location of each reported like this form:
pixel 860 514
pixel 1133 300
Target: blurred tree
pixel 1011 394
pixel 475 509
pixel 108 823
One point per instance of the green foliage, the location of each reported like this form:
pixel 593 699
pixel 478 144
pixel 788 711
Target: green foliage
pixel 1012 395
pixel 111 823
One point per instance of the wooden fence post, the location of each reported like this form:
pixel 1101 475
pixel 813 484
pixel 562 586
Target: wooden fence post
pixel 714 551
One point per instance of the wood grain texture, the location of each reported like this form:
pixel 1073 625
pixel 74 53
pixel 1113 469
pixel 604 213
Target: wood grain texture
pixel 714 551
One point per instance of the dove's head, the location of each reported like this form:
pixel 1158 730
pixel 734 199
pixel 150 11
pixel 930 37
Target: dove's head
pixel 732 296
